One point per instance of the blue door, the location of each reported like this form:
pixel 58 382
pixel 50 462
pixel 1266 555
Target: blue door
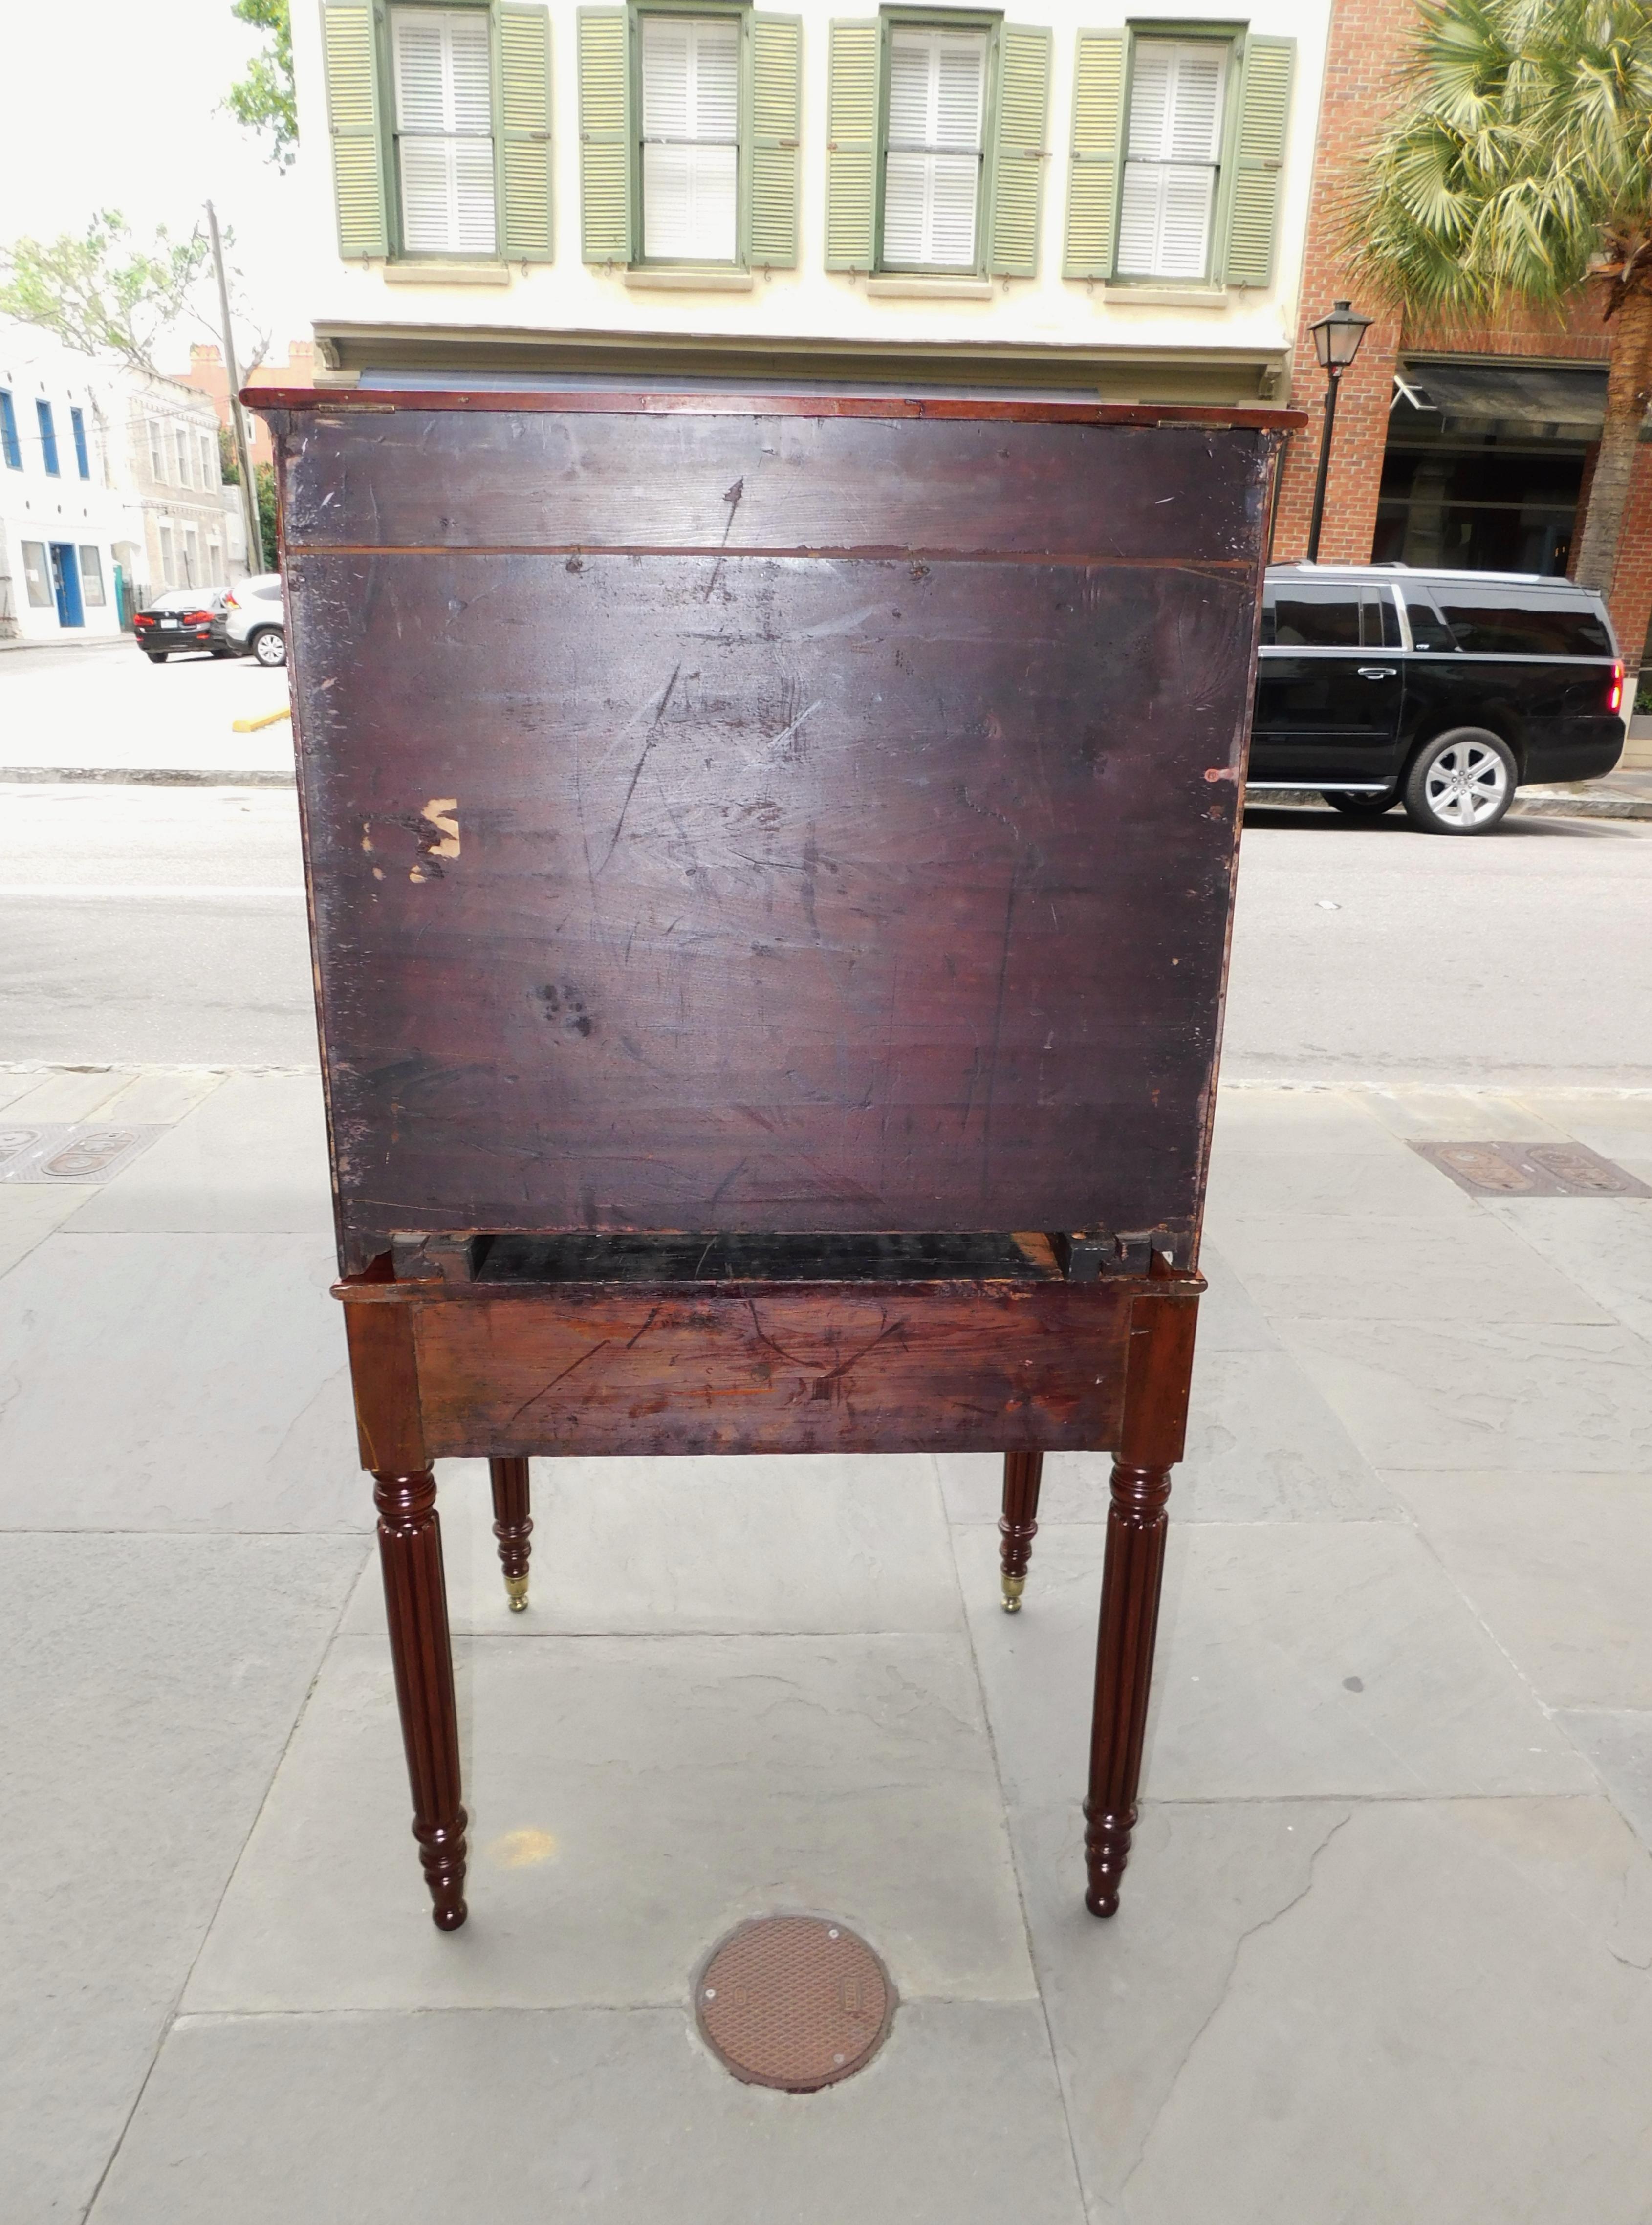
pixel 65 582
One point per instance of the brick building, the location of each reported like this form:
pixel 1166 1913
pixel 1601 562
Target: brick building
pixel 1470 445
pixel 208 374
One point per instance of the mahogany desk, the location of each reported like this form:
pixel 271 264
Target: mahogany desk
pixel 770 864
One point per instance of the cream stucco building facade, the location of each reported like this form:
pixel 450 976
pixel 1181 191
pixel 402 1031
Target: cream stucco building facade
pixel 1083 200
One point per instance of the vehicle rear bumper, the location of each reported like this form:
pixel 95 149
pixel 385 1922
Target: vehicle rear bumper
pixel 1591 747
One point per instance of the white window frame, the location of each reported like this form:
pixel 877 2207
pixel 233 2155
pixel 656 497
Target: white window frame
pixel 169 554
pixel 157 432
pixel 708 229
pixel 935 161
pixel 1160 188
pixel 459 159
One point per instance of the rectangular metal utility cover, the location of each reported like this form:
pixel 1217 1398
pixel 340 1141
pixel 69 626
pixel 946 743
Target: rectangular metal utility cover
pixel 755 814
pixel 1561 1170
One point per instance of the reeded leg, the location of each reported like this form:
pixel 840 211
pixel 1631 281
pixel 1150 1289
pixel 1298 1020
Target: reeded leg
pixel 1154 1425
pixel 512 1525
pixel 1130 1621
pixel 415 1599
pixel 1018 1526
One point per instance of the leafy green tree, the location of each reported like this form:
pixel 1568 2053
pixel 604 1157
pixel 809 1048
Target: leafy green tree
pixel 1519 168
pixel 102 293
pixel 264 99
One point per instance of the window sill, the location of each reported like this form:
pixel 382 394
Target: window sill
pixel 895 287
pixel 1166 297
pixel 688 278
pixel 446 273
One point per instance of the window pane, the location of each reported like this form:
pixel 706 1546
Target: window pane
pixel 1502 622
pixel 10 445
pixel 82 461
pixel 932 168
pixel 1428 631
pixel 1170 169
pixel 157 452
pixel 444 126
pixel 691 121
pixel 92 577
pixel 36 574
pixel 180 448
pixel 1316 617
pixel 48 436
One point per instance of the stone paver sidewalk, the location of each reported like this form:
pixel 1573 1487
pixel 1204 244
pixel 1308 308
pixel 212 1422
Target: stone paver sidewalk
pixel 1384 1947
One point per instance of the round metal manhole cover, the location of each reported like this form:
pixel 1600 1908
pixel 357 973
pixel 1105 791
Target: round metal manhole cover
pixel 795 2001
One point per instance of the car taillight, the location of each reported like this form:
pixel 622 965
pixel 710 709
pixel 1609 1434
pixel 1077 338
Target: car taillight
pixel 230 603
pixel 141 620
pixel 198 618
pixel 1615 695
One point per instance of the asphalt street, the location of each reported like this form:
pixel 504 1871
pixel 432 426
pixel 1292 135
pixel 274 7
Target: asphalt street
pixel 166 925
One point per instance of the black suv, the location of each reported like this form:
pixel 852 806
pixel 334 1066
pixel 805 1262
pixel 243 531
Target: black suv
pixel 1443 691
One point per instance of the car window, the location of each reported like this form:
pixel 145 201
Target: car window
pixel 270 594
pixel 1428 629
pixel 1379 622
pixel 1305 616
pixel 1501 621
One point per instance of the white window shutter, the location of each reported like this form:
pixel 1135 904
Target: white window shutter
pixel 1171 152
pixel 443 113
pixel 691 131
pixel 932 170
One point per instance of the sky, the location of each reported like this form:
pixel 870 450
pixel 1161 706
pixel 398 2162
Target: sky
pixel 111 105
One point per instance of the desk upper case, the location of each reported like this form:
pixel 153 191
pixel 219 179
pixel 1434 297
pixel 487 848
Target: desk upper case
pixel 809 821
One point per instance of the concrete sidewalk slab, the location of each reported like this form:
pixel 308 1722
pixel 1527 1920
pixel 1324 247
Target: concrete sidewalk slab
pixel 1555 1566
pixel 818 1542
pixel 150 1686
pixel 632 1800
pixel 175 1383
pixel 1298 1661
pixel 1383 1939
pixel 582 2115
pixel 1426 1394
pixel 250 1160
pixel 1370 2013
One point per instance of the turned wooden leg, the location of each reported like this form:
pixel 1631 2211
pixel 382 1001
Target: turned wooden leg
pixel 512 1525
pixel 1154 1421
pixel 1018 1525
pixel 415 1599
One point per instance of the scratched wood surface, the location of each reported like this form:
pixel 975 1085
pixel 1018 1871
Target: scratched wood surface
pixel 720 822
pixel 590 1369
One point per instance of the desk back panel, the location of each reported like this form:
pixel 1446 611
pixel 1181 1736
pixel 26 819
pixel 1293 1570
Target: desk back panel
pixel 767 821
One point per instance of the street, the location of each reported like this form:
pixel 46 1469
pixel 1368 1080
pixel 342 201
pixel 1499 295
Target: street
pixel 166 925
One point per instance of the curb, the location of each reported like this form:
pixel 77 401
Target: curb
pixel 1538 803
pixel 148 776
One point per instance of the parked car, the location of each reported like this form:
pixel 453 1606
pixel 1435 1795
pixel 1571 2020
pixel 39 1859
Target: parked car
pixel 182 619
pixel 1442 691
pixel 253 621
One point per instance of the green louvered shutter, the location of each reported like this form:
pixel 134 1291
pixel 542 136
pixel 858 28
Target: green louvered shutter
pixel 1097 135
pixel 1259 161
pixel 1019 151
pixel 605 135
pixel 525 115
pixel 352 120
pixel 851 142
pixel 776 126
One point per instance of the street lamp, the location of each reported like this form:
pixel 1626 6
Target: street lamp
pixel 1336 342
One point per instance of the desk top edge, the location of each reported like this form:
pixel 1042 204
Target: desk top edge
pixel 330 400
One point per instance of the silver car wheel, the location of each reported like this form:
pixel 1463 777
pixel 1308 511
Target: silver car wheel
pixel 1466 784
pixel 270 646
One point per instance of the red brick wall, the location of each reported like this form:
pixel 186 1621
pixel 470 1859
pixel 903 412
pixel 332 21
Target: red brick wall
pixel 1367 38
pixel 1367 43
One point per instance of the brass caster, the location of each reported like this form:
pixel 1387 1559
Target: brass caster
pixel 516 1592
pixel 1013 1588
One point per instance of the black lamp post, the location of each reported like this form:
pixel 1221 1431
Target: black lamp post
pixel 1336 342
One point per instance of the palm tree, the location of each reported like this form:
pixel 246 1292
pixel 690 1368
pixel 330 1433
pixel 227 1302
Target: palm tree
pixel 1520 168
